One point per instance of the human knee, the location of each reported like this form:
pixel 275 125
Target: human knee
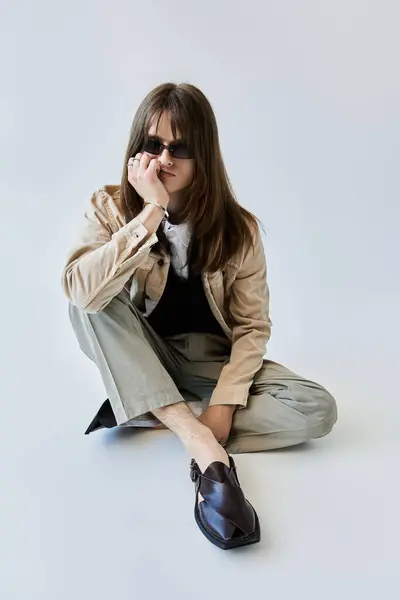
pixel 325 409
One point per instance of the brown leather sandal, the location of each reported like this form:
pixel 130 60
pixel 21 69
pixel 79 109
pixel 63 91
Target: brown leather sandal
pixel 225 517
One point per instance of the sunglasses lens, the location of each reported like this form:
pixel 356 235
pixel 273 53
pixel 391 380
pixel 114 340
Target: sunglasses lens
pixel 181 151
pixel 152 147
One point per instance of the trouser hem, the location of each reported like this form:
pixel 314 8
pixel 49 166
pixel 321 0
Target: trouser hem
pixel 143 405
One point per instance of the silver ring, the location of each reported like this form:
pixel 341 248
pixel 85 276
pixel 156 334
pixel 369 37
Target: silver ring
pixel 131 161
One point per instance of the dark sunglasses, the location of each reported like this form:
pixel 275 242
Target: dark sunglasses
pixel 178 150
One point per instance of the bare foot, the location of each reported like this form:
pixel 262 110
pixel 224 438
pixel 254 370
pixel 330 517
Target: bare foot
pixel 218 418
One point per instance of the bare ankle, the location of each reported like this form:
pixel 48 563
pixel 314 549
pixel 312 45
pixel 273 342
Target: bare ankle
pixel 205 449
pixel 198 438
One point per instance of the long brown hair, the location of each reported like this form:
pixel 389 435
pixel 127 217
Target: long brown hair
pixel 221 227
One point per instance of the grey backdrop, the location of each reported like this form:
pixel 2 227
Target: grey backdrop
pixel 306 96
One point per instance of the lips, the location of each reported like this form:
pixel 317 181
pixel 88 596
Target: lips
pixel 167 173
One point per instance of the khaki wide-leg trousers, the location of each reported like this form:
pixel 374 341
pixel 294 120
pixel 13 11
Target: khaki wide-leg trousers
pixel 141 372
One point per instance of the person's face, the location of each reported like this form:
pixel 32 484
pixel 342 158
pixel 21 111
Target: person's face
pixel 181 168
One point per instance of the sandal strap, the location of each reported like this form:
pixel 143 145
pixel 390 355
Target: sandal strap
pixel 225 497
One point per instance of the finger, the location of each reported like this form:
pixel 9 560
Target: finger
pixel 132 159
pixel 154 166
pixel 133 164
pixel 144 163
pixel 136 165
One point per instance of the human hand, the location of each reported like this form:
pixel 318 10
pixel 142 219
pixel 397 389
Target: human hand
pixel 218 418
pixel 143 176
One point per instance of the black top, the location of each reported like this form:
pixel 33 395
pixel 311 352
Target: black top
pixel 183 308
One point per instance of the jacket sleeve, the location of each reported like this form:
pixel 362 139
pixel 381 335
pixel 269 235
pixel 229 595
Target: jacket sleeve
pixel 101 262
pixel 249 311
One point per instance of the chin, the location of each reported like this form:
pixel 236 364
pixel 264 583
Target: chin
pixel 172 186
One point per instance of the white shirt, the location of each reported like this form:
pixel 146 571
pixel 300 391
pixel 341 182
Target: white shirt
pixel 179 238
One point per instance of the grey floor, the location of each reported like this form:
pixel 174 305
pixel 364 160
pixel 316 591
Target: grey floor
pixel 110 514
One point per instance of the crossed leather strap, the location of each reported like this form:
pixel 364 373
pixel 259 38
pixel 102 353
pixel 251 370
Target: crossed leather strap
pixel 222 493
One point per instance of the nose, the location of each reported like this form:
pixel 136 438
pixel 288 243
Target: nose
pixel 165 157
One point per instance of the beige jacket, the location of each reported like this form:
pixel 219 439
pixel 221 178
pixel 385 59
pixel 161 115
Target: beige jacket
pixel 110 254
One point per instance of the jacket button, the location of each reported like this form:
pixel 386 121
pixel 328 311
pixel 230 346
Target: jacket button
pixel 161 262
